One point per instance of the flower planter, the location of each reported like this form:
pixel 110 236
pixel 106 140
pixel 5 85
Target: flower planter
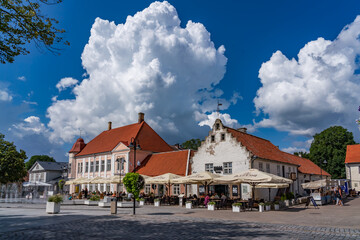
pixel 287 203
pixel 52 207
pixel 276 207
pixel 157 204
pixel 292 202
pixel 261 208
pixel 268 207
pixel 142 202
pixel 211 207
pixel 189 205
pixel 236 208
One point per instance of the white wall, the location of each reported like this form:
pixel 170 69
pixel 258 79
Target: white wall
pixel 352 173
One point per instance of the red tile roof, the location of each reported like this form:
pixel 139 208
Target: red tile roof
pixel 265 149
pixel 353 154
pixel 168 162
pixel 260 147
pixel 106 141
pixel 306 165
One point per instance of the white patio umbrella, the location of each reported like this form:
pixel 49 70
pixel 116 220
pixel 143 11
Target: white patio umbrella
pixel 97 180
pixel 166 179
pixel 316 184
pixel 255 177
pixel 36 183
pixel 204 178
pixel 272 185
pixel 80 180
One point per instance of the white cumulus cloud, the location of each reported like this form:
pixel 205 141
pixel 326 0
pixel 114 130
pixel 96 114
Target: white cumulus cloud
pixel 30 125
pixel 65 83
pixel 318 89
pixel 150 64
pixel 22 78
pixel 5 96
pixel 209 120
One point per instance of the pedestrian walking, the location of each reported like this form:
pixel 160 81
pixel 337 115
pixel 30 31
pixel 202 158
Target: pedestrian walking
pixel 339 197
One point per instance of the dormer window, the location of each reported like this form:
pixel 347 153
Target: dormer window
pixel 212 138
pixel 217 126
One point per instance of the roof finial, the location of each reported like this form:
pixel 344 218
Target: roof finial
pixel 218 108
pixel 80 132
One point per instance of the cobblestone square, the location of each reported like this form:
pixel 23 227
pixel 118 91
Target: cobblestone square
pixel 26 221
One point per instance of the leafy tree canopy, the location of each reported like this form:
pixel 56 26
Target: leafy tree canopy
pixel 193 144
pixel 133 182
pixel 330 145
pixel 12 166
pixel 41 158
pixel 22 22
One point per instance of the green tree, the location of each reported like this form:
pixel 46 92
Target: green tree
pixel 41 158
pixel 302 154
pixel 22 22
pixel 193 144
pixel 133 182
pixel 330 145
pixel 12 166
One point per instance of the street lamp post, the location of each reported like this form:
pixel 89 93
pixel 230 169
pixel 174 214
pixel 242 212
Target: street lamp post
pixel 135 145
pixel 121 161
pixel 324 162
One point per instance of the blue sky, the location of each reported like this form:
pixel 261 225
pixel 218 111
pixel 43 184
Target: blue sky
pixel 297 98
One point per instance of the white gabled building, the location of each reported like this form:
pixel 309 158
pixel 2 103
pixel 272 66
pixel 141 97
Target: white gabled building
pixel 226 151
pixel 352 166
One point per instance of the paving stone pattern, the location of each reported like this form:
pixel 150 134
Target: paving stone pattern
pixel 162 226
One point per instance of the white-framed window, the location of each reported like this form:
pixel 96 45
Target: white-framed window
pixel 289 168
pixel 278 170
pixel 209 167
pixel 227 167
pixel 92 166
pixel 359 169
pixel 212 138
pixel 147 188
pixel 87 167
pixel 97 166
pixel 268 167
pixel 108 163
pixel 217 126
pixel 176 189
pixel 102 166
pixel 261 168
pixel 79 168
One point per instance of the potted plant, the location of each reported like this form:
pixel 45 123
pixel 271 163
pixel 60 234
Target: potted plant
pixel 267 206
pixel 261 207
pixel 142 201
pixel 285 200
pixel 236 207
pixel 211 206
pixel 93 201
pixel 291 197
pixel 188 204
pixel 157 202
pixel 276 206
pixel 53 204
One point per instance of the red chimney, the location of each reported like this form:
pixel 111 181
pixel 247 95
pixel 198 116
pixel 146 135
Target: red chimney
pixel 141 117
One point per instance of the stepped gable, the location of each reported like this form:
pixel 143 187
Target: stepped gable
pixel 352 154
pixel 260 147
pixel 168 162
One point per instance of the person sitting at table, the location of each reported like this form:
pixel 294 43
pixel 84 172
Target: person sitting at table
pixel 195 196
pixel 216 196
pixel 207 200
